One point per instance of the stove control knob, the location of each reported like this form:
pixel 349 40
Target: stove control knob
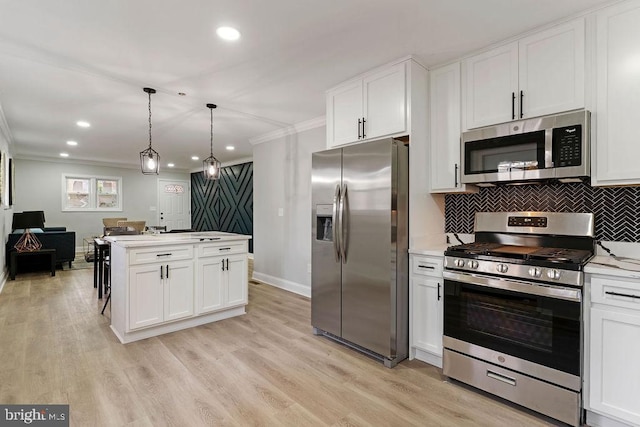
pixel 473 264
pixel 535 272
pixel 553 274
pixel 459 263
pixel 502 268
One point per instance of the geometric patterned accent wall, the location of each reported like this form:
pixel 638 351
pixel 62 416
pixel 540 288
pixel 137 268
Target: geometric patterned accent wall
pixel 225 204
pixel 616 209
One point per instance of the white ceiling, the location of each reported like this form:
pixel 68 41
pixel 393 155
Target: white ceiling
pixel 63 61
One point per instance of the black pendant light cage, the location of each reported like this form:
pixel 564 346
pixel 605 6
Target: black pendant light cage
pixel 211 165
pixel 149 158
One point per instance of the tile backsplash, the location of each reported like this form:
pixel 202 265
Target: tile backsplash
pixel 616 209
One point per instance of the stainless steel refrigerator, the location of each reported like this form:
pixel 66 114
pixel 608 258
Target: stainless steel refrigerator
pixel 359 280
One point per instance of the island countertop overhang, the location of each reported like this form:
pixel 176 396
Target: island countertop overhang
pixel 150 240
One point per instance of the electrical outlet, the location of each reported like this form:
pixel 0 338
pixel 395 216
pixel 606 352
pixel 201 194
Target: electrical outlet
pixel 280 211
pixel 309 268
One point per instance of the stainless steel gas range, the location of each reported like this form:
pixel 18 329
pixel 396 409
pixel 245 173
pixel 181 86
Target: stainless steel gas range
pixel 513 309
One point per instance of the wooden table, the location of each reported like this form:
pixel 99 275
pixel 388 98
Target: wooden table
pixel 13 260
pixel 100 250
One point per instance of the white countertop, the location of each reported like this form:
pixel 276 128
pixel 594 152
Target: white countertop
pixel 614 266
pixel 163 239
pixel 436 249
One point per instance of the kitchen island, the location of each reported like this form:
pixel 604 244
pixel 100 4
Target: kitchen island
pixel 163 283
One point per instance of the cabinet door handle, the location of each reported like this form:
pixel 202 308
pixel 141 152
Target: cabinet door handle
pixel 521 98
pixel 359 123
pixel 161 273
pixel 227 264
pixel 429 267
pixel 617 294
pixel 364 135
pixel 456 176
pixel 223 265
pixel 513 105
pixel 438 291
pixel 167 271
pixel 224 249
pixel 168 254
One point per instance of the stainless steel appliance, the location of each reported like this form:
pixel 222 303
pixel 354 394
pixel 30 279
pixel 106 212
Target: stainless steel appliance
pixel 359 284
pixel 541 148
pixel 513 309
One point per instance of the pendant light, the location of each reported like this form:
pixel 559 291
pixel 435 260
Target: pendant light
pixel 211 165
pixel 149 158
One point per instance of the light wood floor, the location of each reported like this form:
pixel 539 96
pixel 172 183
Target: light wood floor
pixel 264 368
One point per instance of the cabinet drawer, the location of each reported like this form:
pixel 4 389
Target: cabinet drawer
pixel 163 254
pixel 427 266
pixel 618 293
pixel 224 248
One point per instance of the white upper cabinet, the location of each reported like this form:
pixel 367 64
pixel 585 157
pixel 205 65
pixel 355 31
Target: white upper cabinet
pixel 490 86
pixel 551 70
pixel 369 107
pixel 444 129
pixel 537 75
pixel 616 148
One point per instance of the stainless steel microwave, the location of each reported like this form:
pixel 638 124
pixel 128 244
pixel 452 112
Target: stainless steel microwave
pixel 548 147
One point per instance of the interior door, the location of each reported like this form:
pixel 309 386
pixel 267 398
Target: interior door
pixel 174 204
pixel 368 315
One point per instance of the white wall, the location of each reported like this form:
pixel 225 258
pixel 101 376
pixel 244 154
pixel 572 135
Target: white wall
pixel 39 187
pixel 282 179
pixel 6 213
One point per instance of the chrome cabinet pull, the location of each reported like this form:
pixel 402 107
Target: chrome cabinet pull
pixel 500 377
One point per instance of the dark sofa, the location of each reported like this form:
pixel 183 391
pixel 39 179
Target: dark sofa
pixel 58 238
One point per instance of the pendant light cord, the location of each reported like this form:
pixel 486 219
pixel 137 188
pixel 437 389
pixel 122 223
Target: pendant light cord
pixel 149 119
pixel 211 111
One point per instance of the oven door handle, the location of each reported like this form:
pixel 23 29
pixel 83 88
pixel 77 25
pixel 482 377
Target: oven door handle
pixel 557 292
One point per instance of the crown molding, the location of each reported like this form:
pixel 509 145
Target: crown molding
pixel 289 130
pixel 85 162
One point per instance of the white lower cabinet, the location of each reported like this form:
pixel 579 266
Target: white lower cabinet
pixel 219 283
pixel 160 292
pixel 426 309
pixel 614 349
pixel 156 289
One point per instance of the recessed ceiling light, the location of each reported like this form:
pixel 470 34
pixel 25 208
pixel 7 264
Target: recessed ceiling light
pixel 195 158
pixel 230 147
pixel 83 124
pixel 72 143
pixel 64 154
pixel 228 33
pixel 170 165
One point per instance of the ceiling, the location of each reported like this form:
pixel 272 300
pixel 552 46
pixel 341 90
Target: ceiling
pixel 72 60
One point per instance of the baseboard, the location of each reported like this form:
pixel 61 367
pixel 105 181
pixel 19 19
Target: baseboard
pixel 287 285
pixel 597 420
pixel 3 279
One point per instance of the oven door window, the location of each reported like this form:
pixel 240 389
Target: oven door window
pixel 502 154
pixel 539 329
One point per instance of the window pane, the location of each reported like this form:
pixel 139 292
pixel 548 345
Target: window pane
pixel 78 185
pixel 77 200
pixel 107 186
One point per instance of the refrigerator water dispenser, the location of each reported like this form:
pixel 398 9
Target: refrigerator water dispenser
pixel 324 222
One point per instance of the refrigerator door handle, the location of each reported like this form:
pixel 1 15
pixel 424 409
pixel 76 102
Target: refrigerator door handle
pixel 344 224
pixel 336 223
